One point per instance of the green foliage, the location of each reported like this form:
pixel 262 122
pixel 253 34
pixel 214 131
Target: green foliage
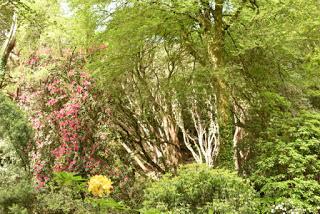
pixel 199 189
pixel 61 195
pixel 67 193
pixel 311 85
pixel 16 209
pixel 60 201
pixel 289 163
pixel 17 194
pixel 68 179
pixel 104 205
pixel 15 128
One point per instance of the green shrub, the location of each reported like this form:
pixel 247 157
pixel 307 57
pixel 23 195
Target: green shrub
pixel 60 201
pixel 67 193
pixel 15 128
pixel 199 189
pixel 287 170
pixel 62 195
pixel 17 193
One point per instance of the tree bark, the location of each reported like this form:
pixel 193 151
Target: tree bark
pixel 216 45
pixel 8 47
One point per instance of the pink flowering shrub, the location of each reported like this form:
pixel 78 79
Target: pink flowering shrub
pixel 67 120
pixel 70 118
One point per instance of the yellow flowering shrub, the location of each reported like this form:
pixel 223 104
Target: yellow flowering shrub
pixel 100 185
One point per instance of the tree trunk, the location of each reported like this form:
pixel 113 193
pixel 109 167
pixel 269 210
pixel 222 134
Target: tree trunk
pixel 216 45
pixel 7 47
pixel 239 154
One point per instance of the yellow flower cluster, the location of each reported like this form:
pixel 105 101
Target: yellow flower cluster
pixel 100 185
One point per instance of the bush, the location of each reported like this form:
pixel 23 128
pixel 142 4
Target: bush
pixel 288 168
pixel 199 189
pixel 20 194
pixel 16 190
pixel 68 193
pixel 62 195
pixel 15 129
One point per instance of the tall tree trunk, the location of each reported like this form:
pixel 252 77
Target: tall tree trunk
pixel 216 54
pixel 216 45
pixel 7 47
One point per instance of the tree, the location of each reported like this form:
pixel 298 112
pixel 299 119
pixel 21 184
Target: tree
pixel 197 37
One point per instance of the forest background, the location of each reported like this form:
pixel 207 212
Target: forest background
pixel 160 106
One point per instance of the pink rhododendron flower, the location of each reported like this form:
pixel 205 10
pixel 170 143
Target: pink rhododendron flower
pixel 52 101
